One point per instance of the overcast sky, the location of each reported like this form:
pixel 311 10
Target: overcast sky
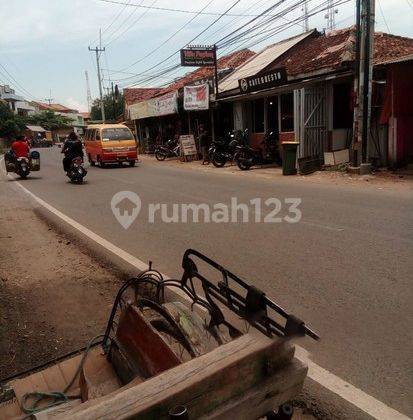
pixel 44 43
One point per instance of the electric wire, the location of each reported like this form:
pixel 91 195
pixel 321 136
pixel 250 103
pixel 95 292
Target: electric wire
pixel 131 25
pixel 202 32
pixel 167 9
pixel 114 33
pixel 382 14
pixel 269 33
pixel 312 12
pixel 168 39
pixel 13 81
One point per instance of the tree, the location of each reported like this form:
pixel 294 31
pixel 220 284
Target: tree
pixel 109 104
pixel 49 120
pixel 11 124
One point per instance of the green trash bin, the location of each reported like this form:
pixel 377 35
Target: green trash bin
pixel 289 157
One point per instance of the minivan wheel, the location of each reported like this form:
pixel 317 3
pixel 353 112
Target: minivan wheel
pixel 92 162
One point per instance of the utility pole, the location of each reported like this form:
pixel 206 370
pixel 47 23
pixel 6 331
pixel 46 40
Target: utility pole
pixel 98 50
pixel 113 103
pixel 88 94
pixel 365 79
pixel 305 13
pixel 49 99
pixel 330 15
pixel 356 86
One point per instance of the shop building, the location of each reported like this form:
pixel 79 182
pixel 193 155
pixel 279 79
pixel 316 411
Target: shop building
pixel 160 114
pixel 302 88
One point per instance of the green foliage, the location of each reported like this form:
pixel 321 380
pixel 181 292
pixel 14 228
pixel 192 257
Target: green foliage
pixel 95 113
pixel 11 124
pixel 49 120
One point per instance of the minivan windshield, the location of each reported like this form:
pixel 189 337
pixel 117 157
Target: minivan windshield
pixel 121 133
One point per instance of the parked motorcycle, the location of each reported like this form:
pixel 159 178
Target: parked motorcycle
pixel 246 156
pixel 222 151
pixel 170 149
pixel 76 171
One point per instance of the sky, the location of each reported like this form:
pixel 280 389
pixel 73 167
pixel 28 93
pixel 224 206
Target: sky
pixel 44 43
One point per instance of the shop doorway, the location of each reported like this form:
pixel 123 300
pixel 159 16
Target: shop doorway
pixel 313 122
pixel 272 114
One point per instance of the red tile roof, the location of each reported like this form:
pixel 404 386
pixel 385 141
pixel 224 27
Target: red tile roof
pixel 55 107
pixel 336 49
pixel 134 95
pixel 231 61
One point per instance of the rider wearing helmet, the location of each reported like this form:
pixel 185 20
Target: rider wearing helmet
pixel 71 149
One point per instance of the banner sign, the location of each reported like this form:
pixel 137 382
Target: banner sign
pixel 196 98
pixel 199 57
pixel 155 107
pixel 188 147
pixel 268 80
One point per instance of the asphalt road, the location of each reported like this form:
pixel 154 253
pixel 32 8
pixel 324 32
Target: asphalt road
pixel 345 268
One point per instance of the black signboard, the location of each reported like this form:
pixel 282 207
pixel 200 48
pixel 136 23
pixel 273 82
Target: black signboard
pixel 267 80
pixel 199 57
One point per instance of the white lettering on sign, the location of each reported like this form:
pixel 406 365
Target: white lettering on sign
pixel 188 147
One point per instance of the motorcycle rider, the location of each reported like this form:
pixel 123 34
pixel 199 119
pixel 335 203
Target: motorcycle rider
pixel 71 149
pixel 20 148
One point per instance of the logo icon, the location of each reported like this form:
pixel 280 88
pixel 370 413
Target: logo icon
pixel 125 206
pixel 244 85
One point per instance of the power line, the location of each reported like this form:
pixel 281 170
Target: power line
pixel 131 25
pixel 167 40
pixel 193 39
pixel 269 33
pixel 266 34
pixel 122 24
pixel 167 9
pixel 22 88
pixel 113 20
pixel 173 68
pixel 382 14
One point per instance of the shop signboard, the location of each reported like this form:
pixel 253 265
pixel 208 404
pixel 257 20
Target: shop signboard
pixel 198 57
pixel 263 81
pixel 155 107
pixel 196 98
pixel 188 146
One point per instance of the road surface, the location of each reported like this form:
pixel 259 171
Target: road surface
pixel 345 268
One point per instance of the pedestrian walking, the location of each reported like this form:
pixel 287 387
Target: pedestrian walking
pixel 204 143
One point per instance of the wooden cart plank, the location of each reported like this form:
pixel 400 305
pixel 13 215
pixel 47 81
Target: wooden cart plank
pixel 202 384
pixel 284 385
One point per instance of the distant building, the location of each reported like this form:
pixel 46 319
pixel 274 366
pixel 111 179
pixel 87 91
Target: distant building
pixel 16 102
pixel 77 118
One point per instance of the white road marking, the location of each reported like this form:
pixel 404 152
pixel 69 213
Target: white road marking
pixel 336 229
pixel 345 390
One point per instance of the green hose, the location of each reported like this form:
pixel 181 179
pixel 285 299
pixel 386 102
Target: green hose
pixel 56 397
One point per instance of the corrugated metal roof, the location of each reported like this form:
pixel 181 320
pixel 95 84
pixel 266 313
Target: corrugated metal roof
pixel 258 62
pixel 36 128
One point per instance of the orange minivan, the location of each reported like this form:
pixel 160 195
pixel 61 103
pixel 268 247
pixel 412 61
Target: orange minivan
pixel 110 143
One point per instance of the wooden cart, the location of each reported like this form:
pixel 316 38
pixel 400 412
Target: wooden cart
pixel 221 353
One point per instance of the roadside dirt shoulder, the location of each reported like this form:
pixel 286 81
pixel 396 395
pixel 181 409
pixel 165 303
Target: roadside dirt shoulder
pixel 53 297
pixel 382 180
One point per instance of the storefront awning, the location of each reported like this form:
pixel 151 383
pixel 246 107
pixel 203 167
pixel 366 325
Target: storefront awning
pixel 155 107
pixel 36 128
